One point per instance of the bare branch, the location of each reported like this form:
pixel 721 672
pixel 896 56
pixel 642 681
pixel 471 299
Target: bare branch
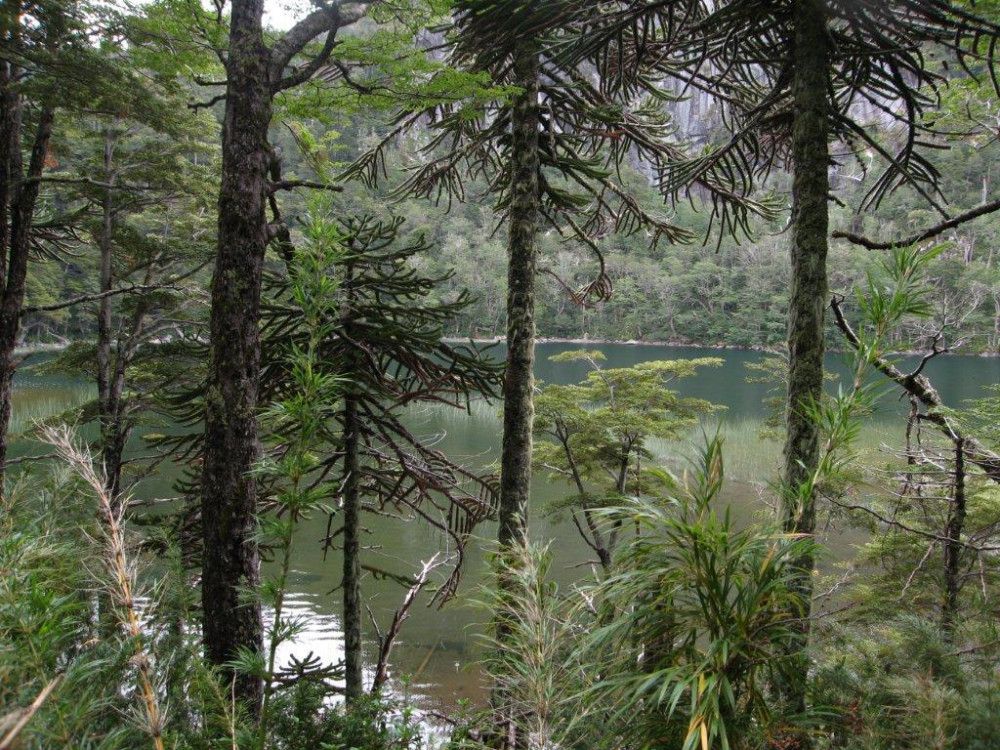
pixel 387 641
pixel 293 184
pixel 927 234
pixel 88 181
pixel 134 289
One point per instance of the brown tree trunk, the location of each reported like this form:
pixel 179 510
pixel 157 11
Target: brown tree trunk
pixel 353 662
pixel 23 197
pixel 230 562
pixel 953 546
pixel 807 299
pixel 519 382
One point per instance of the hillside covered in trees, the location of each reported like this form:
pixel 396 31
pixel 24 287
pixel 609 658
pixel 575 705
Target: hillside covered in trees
pixel 720 292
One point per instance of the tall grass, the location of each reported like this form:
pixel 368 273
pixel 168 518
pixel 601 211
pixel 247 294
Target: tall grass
pixel 754 456
pixel 120 581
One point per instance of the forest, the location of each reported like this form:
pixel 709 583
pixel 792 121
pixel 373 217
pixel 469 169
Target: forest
pixel 514 374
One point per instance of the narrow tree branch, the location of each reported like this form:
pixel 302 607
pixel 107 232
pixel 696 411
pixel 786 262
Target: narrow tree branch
pixel 293 184
pixel 205 105
pixel 88 181
pixel 934 231
pixel 134 289
pixel 9 738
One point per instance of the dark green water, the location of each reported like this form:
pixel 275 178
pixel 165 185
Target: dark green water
pixel 437 646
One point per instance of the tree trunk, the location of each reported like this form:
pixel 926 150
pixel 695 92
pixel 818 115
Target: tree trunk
pixel 353 673
pixel 519 379
pixel 105 405
pixel 953 546
pixel 24 196
pixel 231 563
pixel 519 383
pixel 808 296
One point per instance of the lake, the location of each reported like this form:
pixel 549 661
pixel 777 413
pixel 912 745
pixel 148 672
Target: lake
pixel 437 648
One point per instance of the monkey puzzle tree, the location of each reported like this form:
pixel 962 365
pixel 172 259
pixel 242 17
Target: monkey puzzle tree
pixel 548 142
pixel 798 74
pixel 385 343
pixel 793 77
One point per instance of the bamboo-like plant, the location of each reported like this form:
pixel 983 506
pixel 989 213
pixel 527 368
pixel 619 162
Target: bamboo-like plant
pixel 300 418
pixel 121 582
pixel 531 655
pixel 696 620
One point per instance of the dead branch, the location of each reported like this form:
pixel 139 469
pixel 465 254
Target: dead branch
pixel 133 289
pixel 918 386
pixel 387 641
pixel 934 231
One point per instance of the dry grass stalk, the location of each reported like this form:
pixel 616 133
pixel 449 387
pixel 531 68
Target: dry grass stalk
pixel 122 588
pixel 25 715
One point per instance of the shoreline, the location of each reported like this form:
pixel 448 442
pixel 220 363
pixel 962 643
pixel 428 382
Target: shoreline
pixel 715 347
pixel 28 349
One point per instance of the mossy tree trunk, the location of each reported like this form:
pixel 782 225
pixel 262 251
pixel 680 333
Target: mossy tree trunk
pixel 807 299
pixel 519 378
pixel 230 562
pixel 522 260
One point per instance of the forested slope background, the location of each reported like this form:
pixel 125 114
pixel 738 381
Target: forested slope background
pixel 719 292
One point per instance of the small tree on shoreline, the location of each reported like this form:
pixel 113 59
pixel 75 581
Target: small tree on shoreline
pixel 600 431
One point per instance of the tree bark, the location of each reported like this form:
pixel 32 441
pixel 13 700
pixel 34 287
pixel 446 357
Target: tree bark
pixel 353 662
pixel 808 297
pixel 353 673
pixel 519 383
pixel 23 196
pixel 953 546
pixel 230 562
pixel 111 444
